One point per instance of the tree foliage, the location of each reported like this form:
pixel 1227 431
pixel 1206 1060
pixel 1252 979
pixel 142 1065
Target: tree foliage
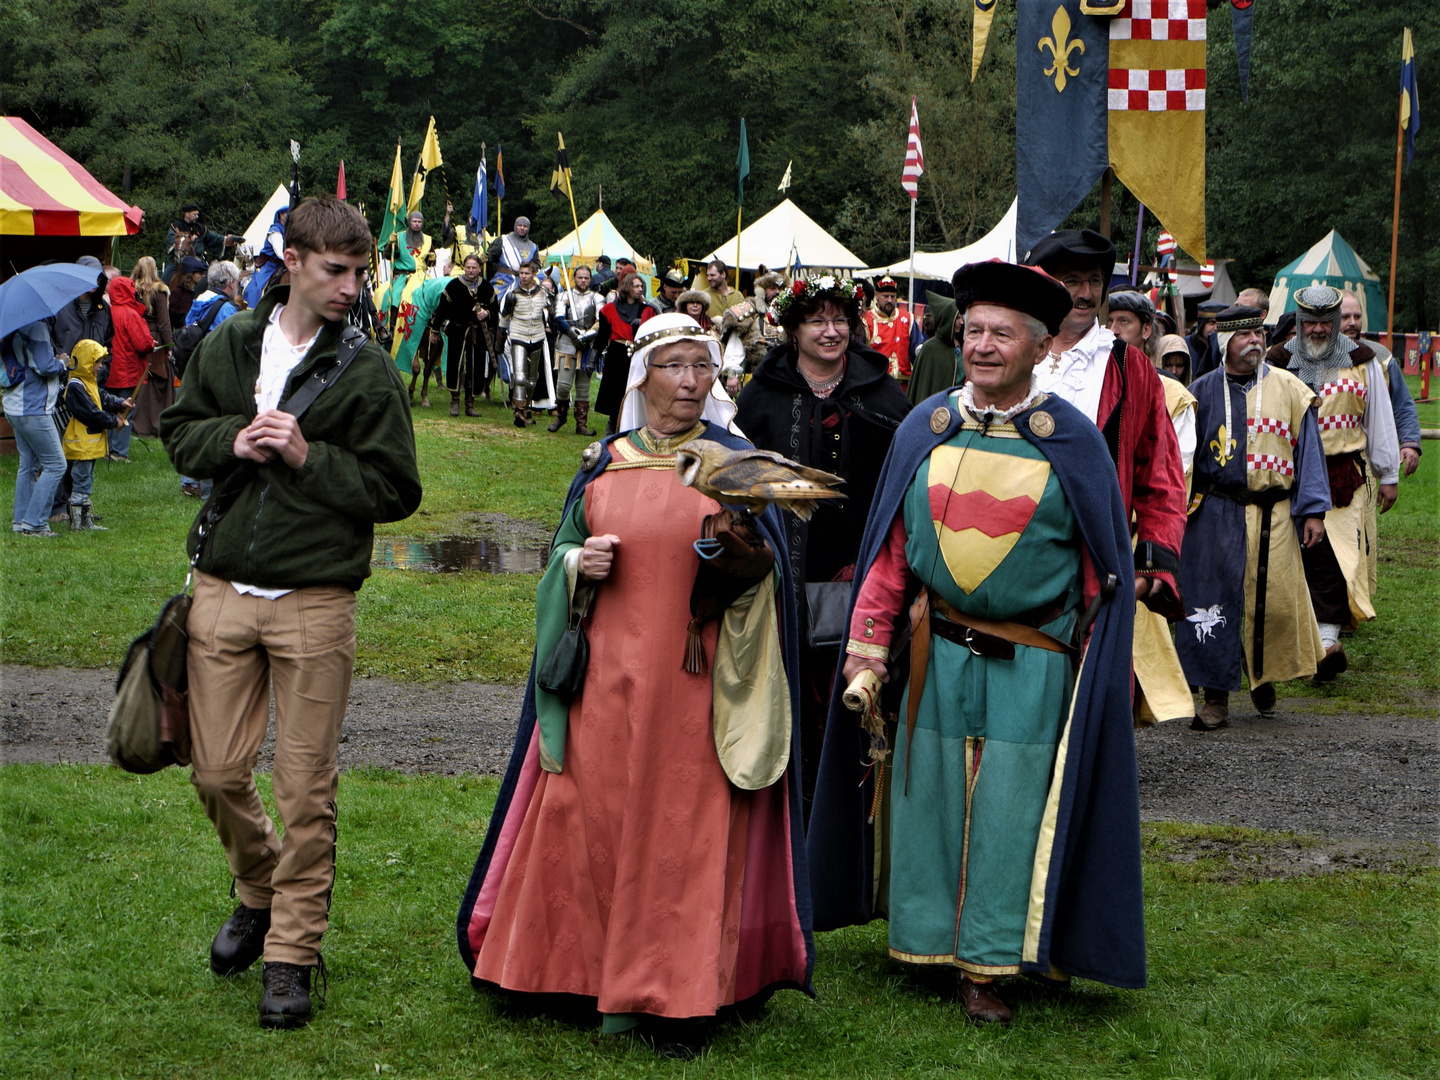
pixel 172 100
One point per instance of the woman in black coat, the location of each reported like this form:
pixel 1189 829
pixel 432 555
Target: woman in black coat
pixel 824 399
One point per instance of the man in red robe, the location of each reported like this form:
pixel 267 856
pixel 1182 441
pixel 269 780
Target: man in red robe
pixel 1117 387
pixel 888 325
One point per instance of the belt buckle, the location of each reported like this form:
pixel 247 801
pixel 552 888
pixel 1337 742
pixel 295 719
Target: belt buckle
pixel 968 639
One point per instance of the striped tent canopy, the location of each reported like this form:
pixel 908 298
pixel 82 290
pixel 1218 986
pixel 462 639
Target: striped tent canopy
pixel 1331 262
pixel 45 192
pixel 597 236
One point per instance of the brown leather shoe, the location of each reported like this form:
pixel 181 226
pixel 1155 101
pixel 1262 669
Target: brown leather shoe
pixel 1331 664
pixel 982 1004
pixel 1215 713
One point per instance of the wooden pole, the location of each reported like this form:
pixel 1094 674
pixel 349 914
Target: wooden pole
pixel 1394 239
pixel 739 214
pixel 1106 182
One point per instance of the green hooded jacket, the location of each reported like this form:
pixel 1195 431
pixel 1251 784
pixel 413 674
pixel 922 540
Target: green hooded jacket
pixel 291 528
pixel 936 366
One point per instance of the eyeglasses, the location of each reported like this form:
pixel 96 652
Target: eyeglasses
pixel 703 370
pixel 1074 281
pixel 822 324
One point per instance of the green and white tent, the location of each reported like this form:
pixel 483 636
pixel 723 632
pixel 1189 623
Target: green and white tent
pixel 1331 262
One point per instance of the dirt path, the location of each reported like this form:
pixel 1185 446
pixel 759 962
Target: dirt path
pixel 1345 778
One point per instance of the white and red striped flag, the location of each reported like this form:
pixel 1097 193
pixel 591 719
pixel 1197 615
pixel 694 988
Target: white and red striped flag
pixel 914 156
pixel 1207 273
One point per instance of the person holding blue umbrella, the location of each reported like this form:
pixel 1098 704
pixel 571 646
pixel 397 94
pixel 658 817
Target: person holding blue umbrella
pixel 32 381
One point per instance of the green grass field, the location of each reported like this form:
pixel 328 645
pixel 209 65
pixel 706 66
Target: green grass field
pixel 78 600
pixel 112 886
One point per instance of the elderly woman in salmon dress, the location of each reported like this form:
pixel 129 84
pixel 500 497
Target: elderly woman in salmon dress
pixel 646 850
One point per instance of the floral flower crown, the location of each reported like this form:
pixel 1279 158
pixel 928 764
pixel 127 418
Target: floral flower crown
pixel 827 286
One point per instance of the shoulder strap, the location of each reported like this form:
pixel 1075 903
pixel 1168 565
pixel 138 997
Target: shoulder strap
pixel 304 395
pixel 208 319
pixel 228 489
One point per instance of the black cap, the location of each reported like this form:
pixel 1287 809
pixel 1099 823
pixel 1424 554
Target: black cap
pixel 191 265
pixel 1136 303
pixel 188 207
pixel 1212 307
pixel 1025 288
pixel 1073 245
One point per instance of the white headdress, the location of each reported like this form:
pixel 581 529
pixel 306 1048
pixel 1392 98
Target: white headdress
pixel 664 330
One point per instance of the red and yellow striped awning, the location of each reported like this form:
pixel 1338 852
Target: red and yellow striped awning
pixel 45 192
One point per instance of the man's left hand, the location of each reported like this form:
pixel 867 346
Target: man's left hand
pixel 1312 532
pixel 1146 587
pixel 280 432
pixel 1387 496
pixel 1409 460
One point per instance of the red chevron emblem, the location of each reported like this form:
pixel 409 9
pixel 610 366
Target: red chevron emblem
pixel 980 510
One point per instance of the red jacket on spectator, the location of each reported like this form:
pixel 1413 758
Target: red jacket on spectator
pixel 132 345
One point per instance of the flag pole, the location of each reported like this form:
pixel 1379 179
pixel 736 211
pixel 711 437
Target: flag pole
pixel 912 255
pixel 1394 238
pixel 739 213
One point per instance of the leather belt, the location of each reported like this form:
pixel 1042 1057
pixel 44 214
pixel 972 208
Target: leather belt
pixel 997 638
pixel 983 637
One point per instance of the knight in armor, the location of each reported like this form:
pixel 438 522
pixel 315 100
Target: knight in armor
pixel 508 253
pixel 577 314
pixel 527 307
pixel 1357 433
pixel 465 313
pixel 418 242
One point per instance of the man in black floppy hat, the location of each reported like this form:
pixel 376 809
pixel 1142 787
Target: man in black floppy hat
pixel 1262 491
pixel 1204 349
pixel 979 520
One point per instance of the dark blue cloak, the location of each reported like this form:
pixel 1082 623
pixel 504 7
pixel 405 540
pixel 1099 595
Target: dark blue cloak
pixel 1093 923
pixel 773 530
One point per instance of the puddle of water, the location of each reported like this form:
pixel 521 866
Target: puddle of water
pixel 451 554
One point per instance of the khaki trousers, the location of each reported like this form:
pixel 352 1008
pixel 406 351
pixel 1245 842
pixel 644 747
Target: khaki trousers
pixel 303 647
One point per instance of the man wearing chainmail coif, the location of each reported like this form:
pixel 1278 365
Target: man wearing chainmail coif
pixel 1357 432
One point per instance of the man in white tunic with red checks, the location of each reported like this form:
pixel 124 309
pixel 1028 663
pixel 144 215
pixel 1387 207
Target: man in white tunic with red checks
pixel 1357 430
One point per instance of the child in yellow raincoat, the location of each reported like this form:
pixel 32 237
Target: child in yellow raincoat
pixel 93 412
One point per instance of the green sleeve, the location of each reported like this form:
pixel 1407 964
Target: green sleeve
pixel 552 616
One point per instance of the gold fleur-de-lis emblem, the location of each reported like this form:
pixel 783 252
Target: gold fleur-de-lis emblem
pixel 1061 45
pixel 1223 446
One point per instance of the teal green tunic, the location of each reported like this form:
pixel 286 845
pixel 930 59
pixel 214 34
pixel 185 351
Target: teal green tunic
pixel 965 822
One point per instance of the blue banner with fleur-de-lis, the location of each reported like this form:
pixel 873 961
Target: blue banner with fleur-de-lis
pixel 1061 122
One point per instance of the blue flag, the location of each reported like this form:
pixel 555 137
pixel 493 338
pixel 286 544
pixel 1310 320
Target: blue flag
pixel 1061 120
pixel 480 203
pixel 742 164
pixel 1242 23
pixel 1409 97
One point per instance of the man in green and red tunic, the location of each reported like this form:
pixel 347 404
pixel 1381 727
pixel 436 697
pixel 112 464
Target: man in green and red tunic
pixel 1005 838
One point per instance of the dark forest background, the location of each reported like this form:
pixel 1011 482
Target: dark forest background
pixel 177 100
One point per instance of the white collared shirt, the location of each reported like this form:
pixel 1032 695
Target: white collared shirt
pixel 278 358
pixel 1078 373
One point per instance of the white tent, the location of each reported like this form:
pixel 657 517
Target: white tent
pixel 255 234
pixel 998 243
pixel 782 235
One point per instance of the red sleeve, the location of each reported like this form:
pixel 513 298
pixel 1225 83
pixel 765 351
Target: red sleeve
pixel 1155 492
pixel 881 598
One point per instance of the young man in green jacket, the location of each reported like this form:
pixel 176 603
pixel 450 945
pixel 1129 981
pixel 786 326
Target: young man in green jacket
pixel 275 583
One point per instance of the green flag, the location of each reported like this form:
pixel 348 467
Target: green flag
pixel 394 204
pixel 742 164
